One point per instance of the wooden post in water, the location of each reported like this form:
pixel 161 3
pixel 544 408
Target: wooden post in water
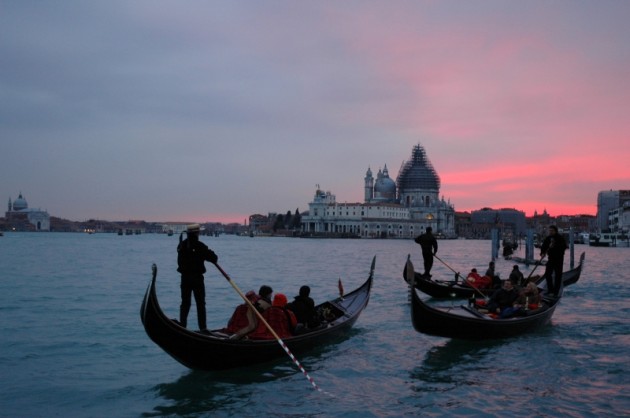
pixel 571 246
pixel 494 251
pixel 529 245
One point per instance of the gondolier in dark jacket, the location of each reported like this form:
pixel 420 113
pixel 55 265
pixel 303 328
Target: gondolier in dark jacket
pixel 429 246
pixel 553 247
pixel 191 255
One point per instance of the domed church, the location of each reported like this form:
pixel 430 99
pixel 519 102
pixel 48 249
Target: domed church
pixel 391 209
pixel 22 218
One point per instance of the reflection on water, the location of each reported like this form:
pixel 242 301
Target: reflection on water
pixel 199 391
pixel 453 353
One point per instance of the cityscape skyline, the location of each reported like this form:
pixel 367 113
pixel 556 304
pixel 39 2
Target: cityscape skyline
pixel 280 212
pixel 212 112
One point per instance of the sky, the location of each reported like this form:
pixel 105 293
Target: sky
pixel 211 111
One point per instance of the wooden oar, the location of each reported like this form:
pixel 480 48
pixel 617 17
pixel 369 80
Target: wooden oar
pixel 535 265
pixel 485 297
pixel 260 317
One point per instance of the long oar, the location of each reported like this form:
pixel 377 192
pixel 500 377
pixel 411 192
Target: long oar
pixel 538 262
pixel 260 317
pixel 485 297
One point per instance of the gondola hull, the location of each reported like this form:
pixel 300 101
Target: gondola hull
pixel 457 322
pixel 452 289
pixel 213 351
pixel 463 322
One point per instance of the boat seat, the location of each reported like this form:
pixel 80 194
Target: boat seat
pixel 218 334
pixel 475 312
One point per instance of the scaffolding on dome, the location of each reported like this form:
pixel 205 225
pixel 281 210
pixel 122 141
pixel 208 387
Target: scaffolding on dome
pixel 418 172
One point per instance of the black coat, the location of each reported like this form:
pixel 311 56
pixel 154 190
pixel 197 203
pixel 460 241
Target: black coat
pixel 554 246
pixel 427 242
pixel 304 309
pixel 191 254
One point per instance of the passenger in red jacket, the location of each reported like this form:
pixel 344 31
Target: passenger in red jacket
pixel 243 320
pixel 474 279
pixel 281 319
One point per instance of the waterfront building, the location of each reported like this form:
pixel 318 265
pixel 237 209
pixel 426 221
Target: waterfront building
pixel 619 219
pixel 607 201
pixel 20 217
pixel 391 209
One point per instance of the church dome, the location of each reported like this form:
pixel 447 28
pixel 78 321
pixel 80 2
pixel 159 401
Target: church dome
pixel 384 187
pixel 20 203
pixel 418 172
pixel 384 184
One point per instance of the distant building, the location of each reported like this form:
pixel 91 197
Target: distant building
pixel 619 219
pixel 607 201
pixel 510 221
pixel 400 209
pixel 20 217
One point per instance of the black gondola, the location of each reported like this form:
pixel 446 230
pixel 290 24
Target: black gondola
pixel 465 322
pixel 215 351
pixel 459 289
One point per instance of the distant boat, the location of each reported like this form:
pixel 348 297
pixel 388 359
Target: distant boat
pixel 609 240
pixel 170 233
pixel 583 238
pixel 120 232
pixel 528 261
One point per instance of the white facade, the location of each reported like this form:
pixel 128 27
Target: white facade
pixel 619 219
pixel 389 210
pixel 19 211
pixel 607 201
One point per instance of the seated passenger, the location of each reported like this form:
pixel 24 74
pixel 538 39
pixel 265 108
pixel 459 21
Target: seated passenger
pixel 281 319
pixel 516 276
pixel 502 300
pixel 528 297
pixel 243 320
pixel 303 306
pixel 492 277
pixel 475 280
pixel 264 298
pixel 473 276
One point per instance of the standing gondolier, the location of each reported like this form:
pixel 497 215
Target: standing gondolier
pixel 429 246
pixel 191 255
pixel 553 247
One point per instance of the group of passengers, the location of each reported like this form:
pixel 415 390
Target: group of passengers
pixel 513 298
pixel 488 281
pixel 509 297
pixel 286 319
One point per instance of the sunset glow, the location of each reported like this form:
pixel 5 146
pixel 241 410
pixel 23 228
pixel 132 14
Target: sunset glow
pixel 191 114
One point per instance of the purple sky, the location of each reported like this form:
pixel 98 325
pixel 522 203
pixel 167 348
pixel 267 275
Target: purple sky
pixel 212 111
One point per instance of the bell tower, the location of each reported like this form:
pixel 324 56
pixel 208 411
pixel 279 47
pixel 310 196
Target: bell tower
pixel 369 185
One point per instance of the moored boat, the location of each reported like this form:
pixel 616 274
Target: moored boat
pixel 528 261
pixel 214 350
pixel 609 240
